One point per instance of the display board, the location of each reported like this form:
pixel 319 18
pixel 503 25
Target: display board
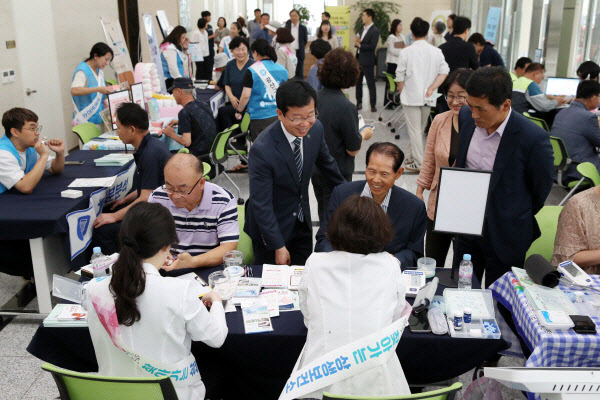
pixel 154 50
pixel 340 19
pixel 121 62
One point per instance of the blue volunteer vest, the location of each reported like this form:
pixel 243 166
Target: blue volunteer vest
pixel 30 157
pixel 165 66
pixel 83 101
pixel 262 105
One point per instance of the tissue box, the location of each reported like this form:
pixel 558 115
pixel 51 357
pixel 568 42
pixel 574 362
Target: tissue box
pixel 71 194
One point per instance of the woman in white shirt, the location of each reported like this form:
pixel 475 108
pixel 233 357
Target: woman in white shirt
pixel 395 43
pixel 174 61
pixel 324 32
pixel 200 36
pixel 351 293
pixel 234 31
pixel 285 55
pixel 141 323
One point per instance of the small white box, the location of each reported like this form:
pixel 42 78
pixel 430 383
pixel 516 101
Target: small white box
pixel 71 194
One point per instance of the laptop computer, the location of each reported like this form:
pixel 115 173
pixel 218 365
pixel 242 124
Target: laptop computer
pixel 562 86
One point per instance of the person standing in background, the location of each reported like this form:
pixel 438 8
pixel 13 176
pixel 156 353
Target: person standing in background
pixel 174 61
pixel 254 25
pixel 437 39
pixel 200 36
pixel 366 42
pixel 325 16
pixel 450 25
pixel 395 43
pixel 324 32
pixel 210 60
pixel 221 31
pixel 300 34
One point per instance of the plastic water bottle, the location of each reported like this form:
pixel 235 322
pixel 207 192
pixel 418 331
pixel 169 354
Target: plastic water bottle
pixel 465 272
pixel 98 262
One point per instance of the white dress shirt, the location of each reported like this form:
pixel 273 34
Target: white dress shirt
pixel 418 66
pixel 393 53
pixel 295 45
pixel 171 317
pixel 365 30
pixel 291 139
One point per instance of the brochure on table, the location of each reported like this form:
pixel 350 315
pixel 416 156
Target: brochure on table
pixel 66 316
pixel 256 319
pixel 281 276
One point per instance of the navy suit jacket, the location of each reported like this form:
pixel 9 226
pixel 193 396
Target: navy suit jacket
pixel 366 55
pixel 302 39
pixel 521 181
pixel 407 215
pixel 275 188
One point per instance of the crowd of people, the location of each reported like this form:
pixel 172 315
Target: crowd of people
pixel 305 131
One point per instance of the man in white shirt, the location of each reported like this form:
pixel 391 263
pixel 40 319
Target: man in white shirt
pixel 23 156
pixel 421 70
pixel 300 34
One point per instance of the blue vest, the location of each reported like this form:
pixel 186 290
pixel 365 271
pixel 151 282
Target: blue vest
pixel 30 156
pixel 83 101
pixel 165 65
pixel 261 105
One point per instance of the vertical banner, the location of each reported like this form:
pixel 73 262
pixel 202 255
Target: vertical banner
pixel 121 61
pixel 154 51
pixel 340 18
pixel 492 23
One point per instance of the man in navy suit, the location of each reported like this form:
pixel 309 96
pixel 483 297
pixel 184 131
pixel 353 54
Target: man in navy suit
pixel 366 42
pixel 495 137
pixel 405 210
pixel 280 165
pixel 300 35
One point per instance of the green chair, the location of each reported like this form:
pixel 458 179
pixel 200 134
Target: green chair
pixel 86 132
pixel 245 128
pixel 218 155
pixel 111 82
pixel 79 386
pixel 589 172
pixel 244 242
pixel 393 97
pixel 440 394
pixel 538 121
pixel 205 166
pixel 547 219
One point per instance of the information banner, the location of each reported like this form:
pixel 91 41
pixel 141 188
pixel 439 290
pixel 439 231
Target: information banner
pixel 492 23
pixel 340 19
pixel 121 62
pixel 154 51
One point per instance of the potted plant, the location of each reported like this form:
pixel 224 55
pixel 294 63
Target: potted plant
pixel 303 12
pixel 383 10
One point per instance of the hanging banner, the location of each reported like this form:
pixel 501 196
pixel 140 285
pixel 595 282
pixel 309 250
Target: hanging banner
pixel 340 19
pixel 154 51
pixel 121 62
pixel 492 23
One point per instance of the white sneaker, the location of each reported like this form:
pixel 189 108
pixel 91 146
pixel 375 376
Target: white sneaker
pixel 413 167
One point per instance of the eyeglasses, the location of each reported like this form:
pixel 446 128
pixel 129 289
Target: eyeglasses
pixel 461 99
pixel 36 129
pixel 180 193
pixel 298 121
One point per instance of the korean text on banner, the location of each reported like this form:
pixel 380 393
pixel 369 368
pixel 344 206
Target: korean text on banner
pixel 154 51
pixel 340 18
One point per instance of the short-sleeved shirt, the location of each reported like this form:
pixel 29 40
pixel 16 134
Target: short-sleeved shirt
pixel 213 222
pixel 197 118
pixel 10 170
pixel 234 77
pixel 150 160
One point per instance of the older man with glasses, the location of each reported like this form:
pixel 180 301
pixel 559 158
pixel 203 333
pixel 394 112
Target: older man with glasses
pixel 205 214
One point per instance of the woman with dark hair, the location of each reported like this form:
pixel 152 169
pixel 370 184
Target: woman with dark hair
pixel 260 85
pixel 352 292
pixel 141 322
pixel 395 43
pixel 588 70
pixel 324 32
pixel 222 30
pixel 440 151
pixel 174 61
pixel 242 23
pixel 339 117
pixel 200 36
pixel 285 55
pixel 235 31
pixel 88 86
pixel 450 25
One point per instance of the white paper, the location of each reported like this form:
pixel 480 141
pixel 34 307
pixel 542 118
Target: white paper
pixel 195 52
pixel 93 182
pixel 256 319
pixel 199 284
pixel 72 312
pixel 272 300
pixel 295 277
pixel 275 276
pixel 288 300
pixel 248 287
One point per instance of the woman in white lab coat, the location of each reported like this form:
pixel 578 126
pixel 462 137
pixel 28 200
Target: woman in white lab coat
pixel 351 293
pixel 147 315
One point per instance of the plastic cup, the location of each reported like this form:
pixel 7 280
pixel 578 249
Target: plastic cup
pixel 233 258
pixel 427 265
pixel 221 284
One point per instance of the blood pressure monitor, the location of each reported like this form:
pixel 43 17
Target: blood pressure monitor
pixel 413 280
pixel 573 273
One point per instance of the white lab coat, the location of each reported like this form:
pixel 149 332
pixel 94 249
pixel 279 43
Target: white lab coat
pixel 344 297
pixel 171 317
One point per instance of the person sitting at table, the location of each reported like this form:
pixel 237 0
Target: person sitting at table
pixel 405 210
pixel 588 70
pixel 259 98
pixel 578 234
pixel 157 317
pixel 23 156
pixel 285 55
pixel 196 125
pixel 150 156
pixel 205 214
pixel 174 62
pixel 358 268
pixel 88 86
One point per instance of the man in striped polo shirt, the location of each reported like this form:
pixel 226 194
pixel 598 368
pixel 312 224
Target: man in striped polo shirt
pixel 205 214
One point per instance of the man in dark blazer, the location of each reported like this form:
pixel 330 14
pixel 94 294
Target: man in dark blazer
pixel 280 165
pixel 495 137
pixel 366 42
pixel 300 35
pixel 405 210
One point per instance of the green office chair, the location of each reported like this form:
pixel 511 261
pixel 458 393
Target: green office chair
pixel 245 128
pixel 244 242
pixel 440 394
pixel 110 82
pixel 86 132
pixel 589 172
pixel 205 166
pixel 79 386
pixel 393 97
pixel 547 219
pixel 219 155
pixel 538 121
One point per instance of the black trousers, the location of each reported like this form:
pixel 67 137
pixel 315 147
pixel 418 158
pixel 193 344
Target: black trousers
pixel 323 191
pixel 483 258
pixel 391 69
pixel 107 237
pixel 16 258
pixel 437 244
pixel 368 71
pixel 204 68
pixel 300 66
pixel 299 245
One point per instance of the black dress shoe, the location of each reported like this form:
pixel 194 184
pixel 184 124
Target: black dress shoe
pixel 373 109
pixel 359 106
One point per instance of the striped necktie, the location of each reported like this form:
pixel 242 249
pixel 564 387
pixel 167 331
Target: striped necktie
pixel 298 159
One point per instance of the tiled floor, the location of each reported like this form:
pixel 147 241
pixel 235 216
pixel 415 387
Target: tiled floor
pixel 20 373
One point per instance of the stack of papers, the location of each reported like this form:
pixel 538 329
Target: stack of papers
pixel 248 287
pixel 93 182
pixel 113 160
pixel 66 316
